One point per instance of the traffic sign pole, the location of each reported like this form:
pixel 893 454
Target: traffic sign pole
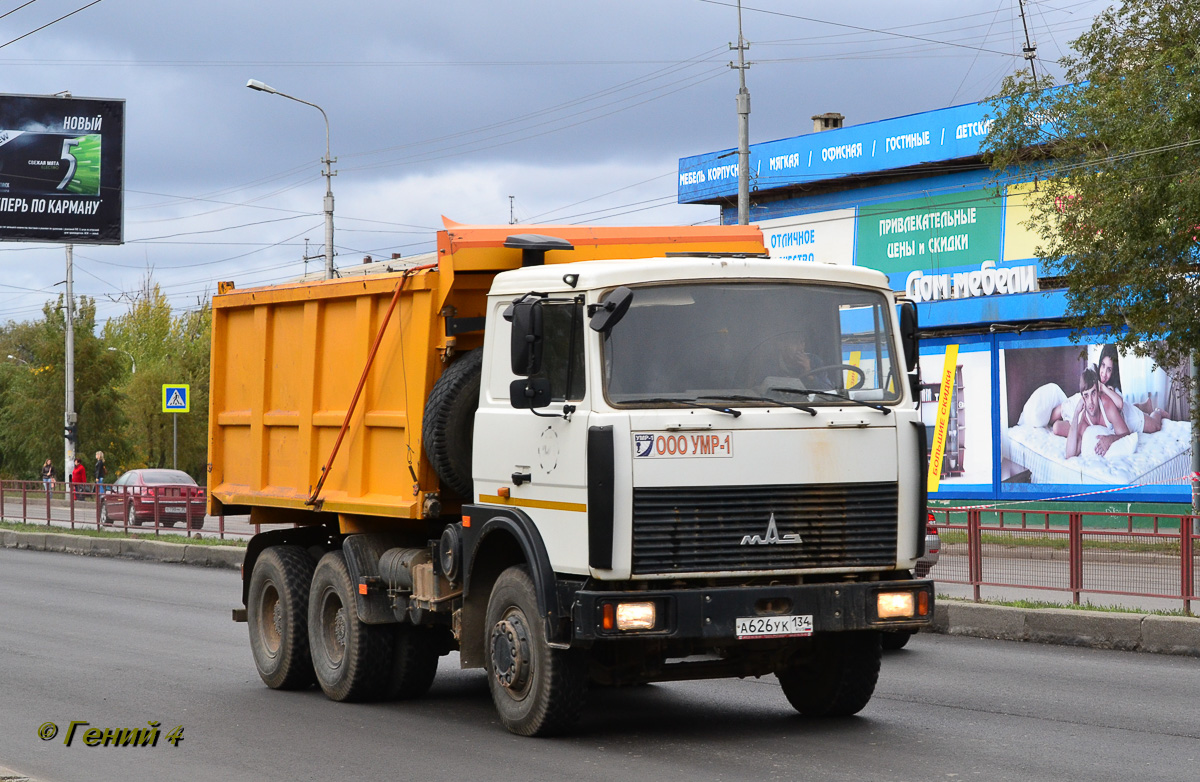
pixel 176 399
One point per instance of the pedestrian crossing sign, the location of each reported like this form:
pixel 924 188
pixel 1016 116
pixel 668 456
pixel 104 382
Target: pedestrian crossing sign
pixel 176 398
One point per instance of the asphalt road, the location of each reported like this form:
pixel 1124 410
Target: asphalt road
pixel 120 643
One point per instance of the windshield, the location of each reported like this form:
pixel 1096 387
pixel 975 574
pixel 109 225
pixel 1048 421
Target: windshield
pixel 753 343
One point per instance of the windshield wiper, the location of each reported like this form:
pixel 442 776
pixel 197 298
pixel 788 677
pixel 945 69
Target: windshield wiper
pixel 844 398
pixel 748 398
pixel 661 400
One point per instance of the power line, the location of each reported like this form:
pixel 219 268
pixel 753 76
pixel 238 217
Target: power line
pixel 47 24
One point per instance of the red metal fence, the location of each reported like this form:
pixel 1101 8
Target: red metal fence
pixel 1128 554
pixel 150 509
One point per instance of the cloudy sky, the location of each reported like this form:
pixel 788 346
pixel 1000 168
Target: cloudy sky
pixel 577 109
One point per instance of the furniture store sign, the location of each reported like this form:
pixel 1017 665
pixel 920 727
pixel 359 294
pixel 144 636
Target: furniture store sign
pixel 985 281
pixel 953 230
pixel 822 237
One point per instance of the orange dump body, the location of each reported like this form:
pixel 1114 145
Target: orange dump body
pixel 286 361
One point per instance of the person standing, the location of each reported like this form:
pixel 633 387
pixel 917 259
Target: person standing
pixel 48 475
pixel 100 473
pixel 78 478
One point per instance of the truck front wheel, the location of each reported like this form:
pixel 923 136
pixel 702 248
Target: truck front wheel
pixel 538 691
pixel 277 615
pixel 351 659
pixel 838 678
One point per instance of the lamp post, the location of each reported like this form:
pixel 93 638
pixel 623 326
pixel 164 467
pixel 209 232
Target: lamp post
pixel 132 363
pixel 255 84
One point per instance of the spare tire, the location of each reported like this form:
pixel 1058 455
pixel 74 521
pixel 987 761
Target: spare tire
pixel 449 422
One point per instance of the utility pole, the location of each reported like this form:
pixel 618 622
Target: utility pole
pixel 69 417
pixel 512 215
pixel 743 110
pixel 1030 49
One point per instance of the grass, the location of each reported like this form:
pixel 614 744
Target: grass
pixel 1061 542
pixel 17 526
pixel 1086 606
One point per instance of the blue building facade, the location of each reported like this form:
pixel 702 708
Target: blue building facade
pixel 911 197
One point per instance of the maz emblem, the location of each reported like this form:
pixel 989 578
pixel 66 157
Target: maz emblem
pixel 772 538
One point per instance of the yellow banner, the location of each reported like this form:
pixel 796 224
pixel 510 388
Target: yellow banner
pixel 943 417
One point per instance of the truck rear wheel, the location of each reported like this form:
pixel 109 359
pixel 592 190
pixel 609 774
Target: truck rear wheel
pixel 351 659
pixel 538 691
pixel 414 662
pixel 838 679
pixel 449 419
pixel 277 615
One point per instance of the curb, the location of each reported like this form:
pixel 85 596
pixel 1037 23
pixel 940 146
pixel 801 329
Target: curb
pixel 1179 635
pixel 227 557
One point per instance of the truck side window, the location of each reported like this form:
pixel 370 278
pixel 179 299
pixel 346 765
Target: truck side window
pixel 562 350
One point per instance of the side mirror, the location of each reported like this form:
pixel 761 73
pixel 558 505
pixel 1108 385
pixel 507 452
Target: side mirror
pixel 526 337
pixel 908 334
pixel 529 393
pixel 607 313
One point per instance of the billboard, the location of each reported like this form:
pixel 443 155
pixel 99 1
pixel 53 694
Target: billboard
pixel 61 169
pixel 966 464
pixel 1088 414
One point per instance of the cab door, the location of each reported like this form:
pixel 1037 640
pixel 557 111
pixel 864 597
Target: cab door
pixel 539 455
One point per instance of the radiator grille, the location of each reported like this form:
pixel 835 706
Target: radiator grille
pixel 698 529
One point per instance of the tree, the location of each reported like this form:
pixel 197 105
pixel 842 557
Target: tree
pixel 1115 158
pixel 167 348
pixel 32 387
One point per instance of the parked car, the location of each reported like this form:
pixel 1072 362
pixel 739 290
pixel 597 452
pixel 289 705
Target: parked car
pixel 896 639
pixel 134 495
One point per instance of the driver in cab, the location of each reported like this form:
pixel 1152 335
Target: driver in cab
pixel 786 356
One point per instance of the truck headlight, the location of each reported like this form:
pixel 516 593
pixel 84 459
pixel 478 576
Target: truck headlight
pixel 635 616
pixel 895 605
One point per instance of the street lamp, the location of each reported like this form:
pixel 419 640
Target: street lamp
pixel 133 363
pixel 255 84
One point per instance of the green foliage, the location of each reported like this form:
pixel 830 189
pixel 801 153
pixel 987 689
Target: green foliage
pixel 32 392
pixel 1115 156
pixel 120 410
pixel 166 349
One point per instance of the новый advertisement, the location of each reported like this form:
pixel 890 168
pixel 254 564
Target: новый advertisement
pixel 61 169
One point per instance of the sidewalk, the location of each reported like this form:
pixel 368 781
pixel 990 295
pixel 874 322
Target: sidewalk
pixel 1068 627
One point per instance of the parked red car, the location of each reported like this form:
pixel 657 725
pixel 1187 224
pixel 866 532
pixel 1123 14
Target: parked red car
pixel 134 495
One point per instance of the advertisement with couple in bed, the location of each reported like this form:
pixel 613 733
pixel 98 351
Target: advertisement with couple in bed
pixel 1089 415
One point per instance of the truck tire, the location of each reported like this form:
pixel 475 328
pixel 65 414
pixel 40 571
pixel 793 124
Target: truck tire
pixel 538 691
pixel 895 639
pixel 838 679
pixel 414 662
pixel 351 659
pixel 449 419
pixel 277 615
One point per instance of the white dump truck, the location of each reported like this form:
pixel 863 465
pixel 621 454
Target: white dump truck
pixel 672 459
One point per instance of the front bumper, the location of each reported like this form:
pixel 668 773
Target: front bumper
pixel 712 613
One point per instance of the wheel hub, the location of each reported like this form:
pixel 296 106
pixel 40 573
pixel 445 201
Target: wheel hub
pixel 277 617
pixel 510 653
